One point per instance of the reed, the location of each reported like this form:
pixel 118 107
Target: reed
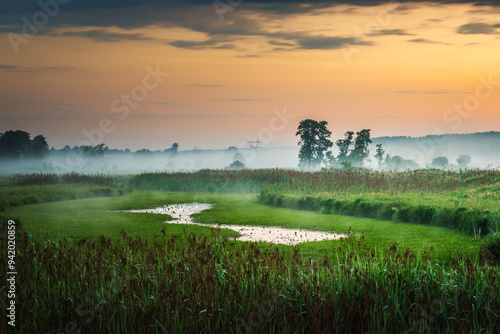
pixel 215 285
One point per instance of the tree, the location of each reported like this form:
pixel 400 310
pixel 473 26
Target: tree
pixel 100 149
pixel 398 162
pixel 173 149
pixel 14 144
pixel 314 141
pixel 236 165
pixel 440 162
pixel 94 151
pixel 344 146
pixel 330 159
pixel 463 160
pixel 360 151
pixel 39 147
pixel 238 157
pixel 380 154
pixel 142 153
pixel 387 160
pixel 232 149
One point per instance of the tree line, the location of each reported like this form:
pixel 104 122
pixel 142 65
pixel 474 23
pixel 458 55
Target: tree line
pixel 18 145
pixel 315 141
pixel 353 151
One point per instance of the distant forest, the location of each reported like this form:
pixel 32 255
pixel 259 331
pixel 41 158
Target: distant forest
pixel 483 147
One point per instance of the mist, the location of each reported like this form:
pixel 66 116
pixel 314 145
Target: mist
pixel 137 162
pixel 483 149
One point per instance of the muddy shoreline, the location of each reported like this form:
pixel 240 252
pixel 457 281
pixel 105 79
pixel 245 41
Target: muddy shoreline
pixel 277 235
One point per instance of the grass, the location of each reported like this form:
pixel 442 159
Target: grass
pixel 93 217
pixel 420 181
pixel 90 218
pixel 83 267
pixel 212 285
pixel 22 189
pixel 467 200
pixel 209 181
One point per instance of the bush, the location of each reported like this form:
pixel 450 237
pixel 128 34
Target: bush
pixel 470 221
pixel 440 162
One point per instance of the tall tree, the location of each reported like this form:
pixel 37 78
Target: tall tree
pixel 314 141
pixel 463 160
pixel 39 147
pixel 380 154
pixel 173 149
pixel 94 151
pixel 14 144
pixel 344 146
pixel 360 150
pixel 440 162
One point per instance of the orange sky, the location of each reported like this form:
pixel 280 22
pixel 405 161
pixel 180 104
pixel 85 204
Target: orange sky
pixel 399 70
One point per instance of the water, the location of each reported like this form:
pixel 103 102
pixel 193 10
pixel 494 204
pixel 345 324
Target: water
pixel 277 235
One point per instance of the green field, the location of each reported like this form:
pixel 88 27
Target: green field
pixel 83 266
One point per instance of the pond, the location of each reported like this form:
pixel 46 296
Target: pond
pixel 182 215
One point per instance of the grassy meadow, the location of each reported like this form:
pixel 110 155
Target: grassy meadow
pixel 421 255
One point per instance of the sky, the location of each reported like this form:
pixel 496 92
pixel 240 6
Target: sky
pixel 147 73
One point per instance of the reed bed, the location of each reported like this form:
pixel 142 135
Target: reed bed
pixel 221 181
pixel 358 181
pixel 186 284
pixel 66 178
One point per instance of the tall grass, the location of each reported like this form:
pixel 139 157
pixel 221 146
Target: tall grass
pixel 67 178
pixel 465 200
pixel 423 181
pixel 400 208
pixel 221 181
pixel 23 189
pixel 214 285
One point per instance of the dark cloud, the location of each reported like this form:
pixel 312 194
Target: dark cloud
pixel 405 8
pixel 140 13
pixel 195 15
pixel 216 42
pixel 350 10
pixel 288 6
pixel 386 32
pixel 225 47
pixel 423 40
pixel 12 68
pixel 327 42
pixel 101 35
pixel 478 28
pixel 272 42
pixel 248 56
